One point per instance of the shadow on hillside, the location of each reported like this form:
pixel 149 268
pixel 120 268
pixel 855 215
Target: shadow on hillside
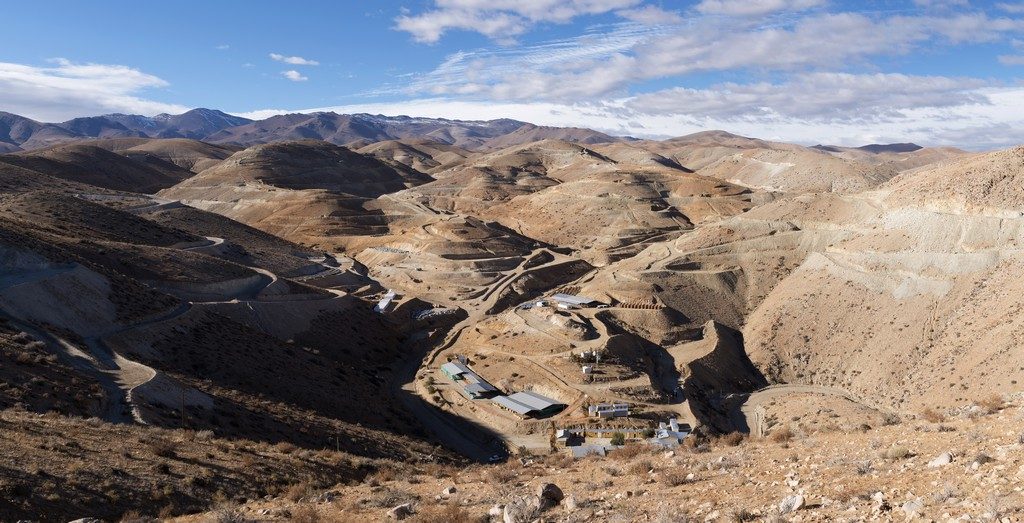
pixel 460 435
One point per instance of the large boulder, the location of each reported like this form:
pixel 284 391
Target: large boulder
pixel 522 510
pixel 791 504
pixel 550 495
pixel 401 512
pixel 941 460
pixel 570 503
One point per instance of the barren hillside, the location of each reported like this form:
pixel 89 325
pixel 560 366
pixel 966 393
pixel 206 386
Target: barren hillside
pixel 324 313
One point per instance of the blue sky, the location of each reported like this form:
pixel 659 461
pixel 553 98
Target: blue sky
pixel 936 72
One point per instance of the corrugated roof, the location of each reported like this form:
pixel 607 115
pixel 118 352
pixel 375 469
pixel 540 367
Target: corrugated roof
pixel 583 451
pixel 569 298
pixel 513 405
pixel 455 367
pixel 534 400
pixel 479 387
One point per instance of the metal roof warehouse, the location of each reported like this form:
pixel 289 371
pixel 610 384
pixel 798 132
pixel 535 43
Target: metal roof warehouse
pixel 528 403
pixel 572 300
pixel 455 370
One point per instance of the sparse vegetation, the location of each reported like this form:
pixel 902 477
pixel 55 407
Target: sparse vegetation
pixel 896 453
pixel 674 477
pixel 618 438
pixel 641 467
pixel 444 514
pixel 387 497
pixel 781 435
pixel 932 416
pixel 501 475
pixel 732 439
pixel 992 403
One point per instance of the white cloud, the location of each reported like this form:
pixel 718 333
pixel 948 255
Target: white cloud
pixel 1012 8
pixel 293 60
pixel 222 47
pixel 942 4
pixel 651 15
pixel 602 64
pixel 995 124
pixel 67 90
pixel 754 7
pixel 294 75
pixel 816 97
pixel 501 20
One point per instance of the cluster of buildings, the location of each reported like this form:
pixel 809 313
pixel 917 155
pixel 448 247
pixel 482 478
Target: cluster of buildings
pixel 525 404
pixel 667 435
pixel 475 386
pixel 565 302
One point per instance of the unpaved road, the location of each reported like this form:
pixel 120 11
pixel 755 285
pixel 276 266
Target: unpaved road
pixel 117 376
pixel 754 412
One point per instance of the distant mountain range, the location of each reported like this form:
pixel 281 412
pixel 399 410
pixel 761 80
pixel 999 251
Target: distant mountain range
pixel 209 125
pixel 876 148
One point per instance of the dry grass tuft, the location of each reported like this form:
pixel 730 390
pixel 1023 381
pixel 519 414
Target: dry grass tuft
pixel 781 435
pixel 444 514
pixel 992 403
pixel 675 477
pixel 629 451
pixel 732 439
pixel 641 467
pixel 162 447
pixel 305 514
pixel 388 497
pixel 932 416
pixel 896 453
pixel 297 491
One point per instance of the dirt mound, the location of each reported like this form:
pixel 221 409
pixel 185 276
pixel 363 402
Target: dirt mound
pixel 99 167
pixel 421 155
pixel 187 154
pixel 308 165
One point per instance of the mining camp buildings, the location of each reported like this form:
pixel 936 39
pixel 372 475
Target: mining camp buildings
pixel 475 387
pixel 569 301
pixel 608 410
pixel 529 404
pixel 671 434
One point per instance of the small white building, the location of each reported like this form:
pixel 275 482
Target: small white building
pixel 609 410
pixel 671 434
pixel 588 370
pixel 385 302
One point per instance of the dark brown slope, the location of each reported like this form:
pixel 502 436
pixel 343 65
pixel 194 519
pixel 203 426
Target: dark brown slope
pixel 325 379
pixel 16 179
pixel 183 152
pixel 99 167
pixel 245 245
pixel 308 165
pixel 422 155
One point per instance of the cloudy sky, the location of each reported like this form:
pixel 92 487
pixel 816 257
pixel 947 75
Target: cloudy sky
pixel 810 71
